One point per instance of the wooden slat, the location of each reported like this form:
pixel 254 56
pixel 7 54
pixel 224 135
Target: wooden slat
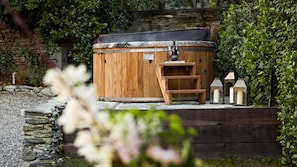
pixel 181 77
pixel 236 133
pixel 163 85
pixel 108 75
pixel 124 74
pixel 117 79
pixel 186 91
pixel 154 85
pixel 229 116
pixel 202 97
pixel 148 79
pixel 237 150
pixel 140 76
pixel 99 74
pixel 70 150
pixel 177 64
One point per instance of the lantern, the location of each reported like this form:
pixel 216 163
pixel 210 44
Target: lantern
pixel 240 92
pixel 229 81
pixel 216 91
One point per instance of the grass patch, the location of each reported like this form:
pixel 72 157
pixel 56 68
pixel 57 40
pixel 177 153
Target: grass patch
pixel 75 162
pixel 264 162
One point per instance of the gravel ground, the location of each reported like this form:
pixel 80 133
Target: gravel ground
pixel 11 123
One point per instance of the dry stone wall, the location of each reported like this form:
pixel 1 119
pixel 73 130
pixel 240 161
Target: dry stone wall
pixel 43 137
pixel 159 20
pixel 42 91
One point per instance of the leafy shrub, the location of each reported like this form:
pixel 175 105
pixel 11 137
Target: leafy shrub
pixel 257 47
pixel 6 64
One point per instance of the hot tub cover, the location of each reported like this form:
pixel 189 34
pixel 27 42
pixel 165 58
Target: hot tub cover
pixel 170 35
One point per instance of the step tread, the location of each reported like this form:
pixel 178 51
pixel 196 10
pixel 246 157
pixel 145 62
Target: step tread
pixel 181 77
pixel 177 64
pixel 187 91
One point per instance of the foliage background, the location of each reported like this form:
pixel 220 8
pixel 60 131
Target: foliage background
pixel 258 41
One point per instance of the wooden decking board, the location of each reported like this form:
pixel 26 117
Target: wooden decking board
pixel 244 132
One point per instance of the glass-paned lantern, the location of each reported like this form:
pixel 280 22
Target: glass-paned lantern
pixel 229 81
pixel 216 92
pixel 240 92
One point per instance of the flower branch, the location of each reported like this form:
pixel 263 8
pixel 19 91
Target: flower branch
pixel 126 138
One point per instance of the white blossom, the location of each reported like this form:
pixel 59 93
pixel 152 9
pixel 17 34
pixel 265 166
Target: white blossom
pixel 74 115
pixel 103 137
pixel 126 138
pixel 87 96
pixel 76 75
pixel 53 77
pixel 166 156
pixel 102 155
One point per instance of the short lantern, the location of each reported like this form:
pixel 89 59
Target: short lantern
pixel 229 81
pixel 216 91
pixel 240 92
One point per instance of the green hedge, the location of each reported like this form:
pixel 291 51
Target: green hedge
pixel 255 39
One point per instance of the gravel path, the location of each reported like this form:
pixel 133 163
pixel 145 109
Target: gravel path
pixel 11 123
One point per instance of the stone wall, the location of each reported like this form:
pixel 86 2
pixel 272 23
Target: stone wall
pixel 43 137
pixel 158 20
pixel 41 91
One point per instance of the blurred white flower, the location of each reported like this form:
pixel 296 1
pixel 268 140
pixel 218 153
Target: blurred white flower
pixel 126 138
pixel 87 96
pixel 102 119
pixel 76 75
pixel 104 136
pixel 102 155
pixel 62 82
pixel 164 155
pixel 53 77
pixel 74 115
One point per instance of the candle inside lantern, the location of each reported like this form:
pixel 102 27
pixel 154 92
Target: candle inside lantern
pixel 216 96
pixel 239 99
pixel 231 95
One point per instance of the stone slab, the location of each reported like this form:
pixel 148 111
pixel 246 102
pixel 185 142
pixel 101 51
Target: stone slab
pixel 174 106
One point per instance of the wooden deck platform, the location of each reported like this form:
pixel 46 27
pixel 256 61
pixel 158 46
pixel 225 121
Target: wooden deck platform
pixel 224 131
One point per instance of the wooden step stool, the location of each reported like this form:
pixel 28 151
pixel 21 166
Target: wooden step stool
pixel 167 72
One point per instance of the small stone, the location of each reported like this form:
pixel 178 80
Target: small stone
pixel 36 121
pixel 47 92
pixel 28 154
pixel 23 112
pixel 39 134
pixel 9 88
pixel 44 163
pixel 36 90
pixel 40 148
pixel 23 88
pixel 29 127
pixel 34 140
pixel 26 164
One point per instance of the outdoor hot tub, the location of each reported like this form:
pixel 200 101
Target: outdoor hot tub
pixel 124 65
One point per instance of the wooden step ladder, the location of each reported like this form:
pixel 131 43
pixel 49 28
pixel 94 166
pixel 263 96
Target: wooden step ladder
pixel 170 72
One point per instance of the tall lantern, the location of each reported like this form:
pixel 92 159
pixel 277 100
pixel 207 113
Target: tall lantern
pixel 240 92
pixel 229 81
pixel 216 91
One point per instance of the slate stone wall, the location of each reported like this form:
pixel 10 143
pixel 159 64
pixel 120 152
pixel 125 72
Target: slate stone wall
pixel 43 137
pixel 158 20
